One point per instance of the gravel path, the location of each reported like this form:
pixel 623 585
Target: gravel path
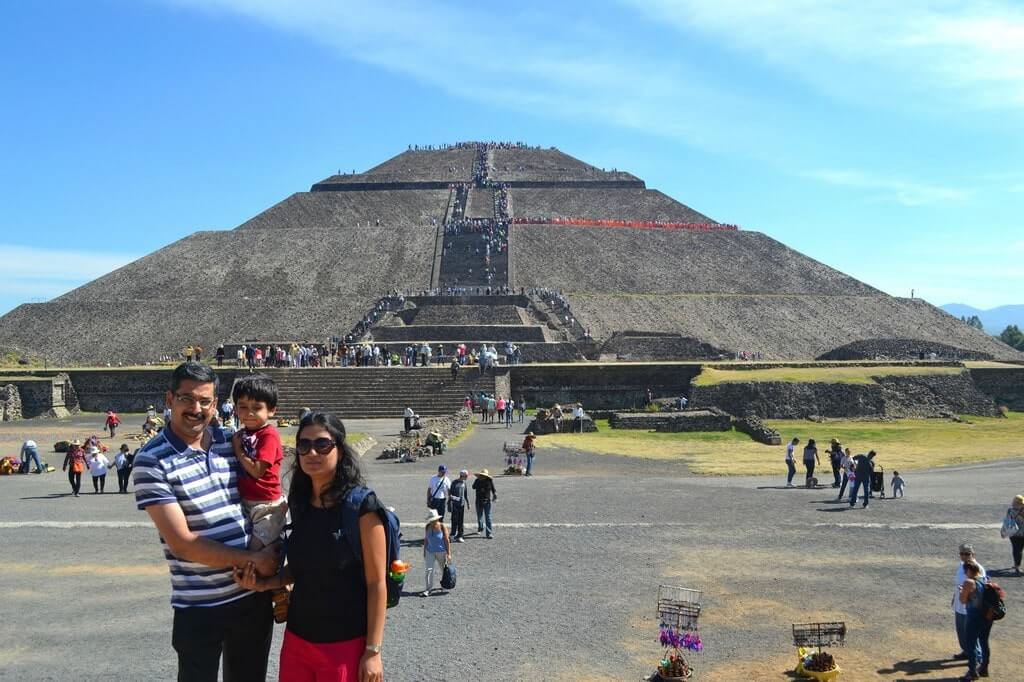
pixel 567 588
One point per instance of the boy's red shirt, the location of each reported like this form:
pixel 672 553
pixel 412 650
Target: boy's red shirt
pixel 263 445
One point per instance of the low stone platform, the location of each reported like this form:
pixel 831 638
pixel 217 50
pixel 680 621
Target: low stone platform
pixel 710 419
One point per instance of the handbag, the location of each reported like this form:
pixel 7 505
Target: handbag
pixel 1010 526
pixel 448 577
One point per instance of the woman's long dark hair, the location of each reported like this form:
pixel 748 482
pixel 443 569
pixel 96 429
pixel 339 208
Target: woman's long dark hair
pixel 346 473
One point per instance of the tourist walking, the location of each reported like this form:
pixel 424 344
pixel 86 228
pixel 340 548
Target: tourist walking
pixel 492 407
pixel 977 626
pixel 74 464
pixel 1012 529
pixel 124 468
pixel 437 548
pixel 508 413
pixel 338 604
pixel 437 490
pixel 528 446
pixel 521 407
pixel 112 422
pixel 30 452
pixel 190 466
pixel 458 500
pixel 863 465
pixel 966 554
pixel 98 465
pixel 810 458
pixel 485 496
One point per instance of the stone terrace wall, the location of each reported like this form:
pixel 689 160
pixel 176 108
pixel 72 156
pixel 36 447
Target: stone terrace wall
pixel 336 210
pixel 550 165
pixel 624 261
pixel 658 347
pixel 600 386
pixel 132 390
pixel 1004 386
pixel 905 396
pixel 312 262
pixel 781 327
pixel 463 314
pixel 610 204
pixel 901 349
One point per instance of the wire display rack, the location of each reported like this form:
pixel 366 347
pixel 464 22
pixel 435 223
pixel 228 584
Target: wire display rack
pixel 819 635
pixel 679 607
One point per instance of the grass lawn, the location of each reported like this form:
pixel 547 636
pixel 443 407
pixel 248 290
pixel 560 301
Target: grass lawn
pixel 353 437
pixel 902 444
pixel 825 375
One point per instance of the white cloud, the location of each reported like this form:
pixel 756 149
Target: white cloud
pixel 891 188
pixel 32 274
pixel 914 54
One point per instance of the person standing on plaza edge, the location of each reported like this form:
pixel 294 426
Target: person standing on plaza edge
pixel 339 602
pixel 966 554
pixel 437 490
pixel 74 464
pixel 190 468
pixel 977 626
pixel 485 495
pixel 529 448
pixel 846 467
pixel 791 461
pixel 1015 517
pixel 810 457
pixel 835 458
pixel 458 500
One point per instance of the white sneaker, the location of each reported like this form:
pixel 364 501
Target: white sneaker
pixel 790 485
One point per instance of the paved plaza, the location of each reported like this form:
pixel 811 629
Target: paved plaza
pixel 567 588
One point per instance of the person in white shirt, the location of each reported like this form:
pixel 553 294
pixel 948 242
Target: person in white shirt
pixel 98 465
pixel 959 609
pixel 438 491
pixel 790 462
pixel 408 415
pixel 577 418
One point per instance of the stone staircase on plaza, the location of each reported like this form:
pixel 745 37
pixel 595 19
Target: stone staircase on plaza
pixel 376 392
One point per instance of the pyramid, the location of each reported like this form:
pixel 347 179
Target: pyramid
pixel 644 275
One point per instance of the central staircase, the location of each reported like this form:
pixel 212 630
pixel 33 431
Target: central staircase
pixel 376 392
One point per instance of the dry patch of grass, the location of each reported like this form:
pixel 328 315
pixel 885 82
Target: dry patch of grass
pixel 817 375
pixel 904 444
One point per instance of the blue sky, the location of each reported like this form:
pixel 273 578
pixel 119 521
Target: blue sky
pixel 881 138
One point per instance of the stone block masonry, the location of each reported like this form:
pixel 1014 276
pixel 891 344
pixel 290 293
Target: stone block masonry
pixel 710 419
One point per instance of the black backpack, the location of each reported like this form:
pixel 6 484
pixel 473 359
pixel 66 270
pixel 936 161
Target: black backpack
pixel 392 530
pixel 993 601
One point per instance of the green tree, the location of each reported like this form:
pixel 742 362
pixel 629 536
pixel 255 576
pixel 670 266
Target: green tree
pixel 975 322
pixel 1012 336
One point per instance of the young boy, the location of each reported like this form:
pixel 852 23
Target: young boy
pixel 897 484
pixel 259 452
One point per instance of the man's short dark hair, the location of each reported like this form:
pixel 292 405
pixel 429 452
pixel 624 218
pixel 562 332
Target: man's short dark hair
pixel 256 387
pixel 194 371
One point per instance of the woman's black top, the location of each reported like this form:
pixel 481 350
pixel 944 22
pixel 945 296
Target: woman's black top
pixel 328 602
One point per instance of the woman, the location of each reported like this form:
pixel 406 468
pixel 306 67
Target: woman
pixel 978 626
pixel 124 468
pixel 74 464
pixel 98 465
pixel 1015 516
pixel 336 616
pixel 810 457
pixel 437 548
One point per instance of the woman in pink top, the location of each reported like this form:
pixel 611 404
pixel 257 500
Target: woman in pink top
pixel 501 409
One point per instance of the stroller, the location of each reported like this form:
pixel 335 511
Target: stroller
pixel 878 481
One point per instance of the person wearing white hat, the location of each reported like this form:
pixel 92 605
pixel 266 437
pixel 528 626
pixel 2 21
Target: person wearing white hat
pixel 437 548
pixel 98 465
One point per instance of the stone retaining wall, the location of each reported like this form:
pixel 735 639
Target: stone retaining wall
pixel 10 403
pixel 710 419
pixel 1004 386
pixel 600 386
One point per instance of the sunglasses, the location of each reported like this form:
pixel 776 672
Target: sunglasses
pixel 323 446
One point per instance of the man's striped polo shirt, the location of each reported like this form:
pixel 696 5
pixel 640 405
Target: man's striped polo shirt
pixel 203 483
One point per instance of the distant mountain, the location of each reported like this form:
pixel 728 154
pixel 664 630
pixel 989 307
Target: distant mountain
pixel 995 320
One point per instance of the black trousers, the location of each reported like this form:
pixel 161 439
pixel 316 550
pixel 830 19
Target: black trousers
pixel 1017 544
pixel 458 519
pixel 122 479
pixel 99 483
pixel 75 479
pixel 242 630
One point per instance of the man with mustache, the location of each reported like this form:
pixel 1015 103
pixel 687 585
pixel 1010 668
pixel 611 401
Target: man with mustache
pixel 186 480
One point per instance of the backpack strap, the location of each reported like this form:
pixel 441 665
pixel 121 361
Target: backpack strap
pixel 350 517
